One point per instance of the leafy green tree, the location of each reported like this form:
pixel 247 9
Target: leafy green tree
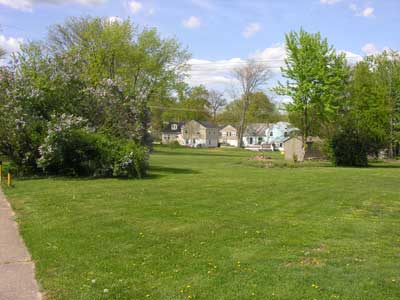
pixel 386 67
pixel 366 108
pixel 316 80
pixel 260 110
pixel 106 73
pixel 138 66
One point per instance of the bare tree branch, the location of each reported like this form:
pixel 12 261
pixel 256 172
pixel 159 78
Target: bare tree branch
pixel 251 77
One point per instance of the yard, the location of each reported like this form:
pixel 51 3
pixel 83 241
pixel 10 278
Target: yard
pixel 207 224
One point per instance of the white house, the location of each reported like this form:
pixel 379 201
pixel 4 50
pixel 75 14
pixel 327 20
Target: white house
pixel 171 132
pixel 277 133
pixel 267 137
pixel 254 135
pixel 228 135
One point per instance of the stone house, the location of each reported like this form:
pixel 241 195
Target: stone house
pixel 200 134
pixel 228 135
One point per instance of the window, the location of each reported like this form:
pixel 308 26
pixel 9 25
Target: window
pixel 286 134
pixel 174 127
pixel 209 142
pixel 271 134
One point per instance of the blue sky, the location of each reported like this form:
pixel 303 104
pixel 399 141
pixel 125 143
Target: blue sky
pixel 221 33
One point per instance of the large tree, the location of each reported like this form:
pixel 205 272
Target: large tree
pixel 386 68
pixel 251 77
pixel 261 109
pixel 316 79
pixel 122 63
pixel 104 72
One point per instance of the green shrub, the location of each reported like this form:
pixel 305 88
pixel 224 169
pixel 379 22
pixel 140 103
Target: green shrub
pixel 130 160
pixel 72 150
pixel 349 148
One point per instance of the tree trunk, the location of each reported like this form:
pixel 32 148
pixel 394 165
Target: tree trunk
pixel 242 122
pixel 391 146
pixel 305 128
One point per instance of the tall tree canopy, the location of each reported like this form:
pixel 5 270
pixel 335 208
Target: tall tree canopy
pixel 260 110
pixel 316 80
pixel 386 68
pixel 104 72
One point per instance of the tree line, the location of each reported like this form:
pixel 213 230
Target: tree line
pixel 83 100
pixel 355 108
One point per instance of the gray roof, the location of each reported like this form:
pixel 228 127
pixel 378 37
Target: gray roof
pixel 168 127
pixel 257 129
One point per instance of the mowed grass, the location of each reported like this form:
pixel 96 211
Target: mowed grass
pixel 206 224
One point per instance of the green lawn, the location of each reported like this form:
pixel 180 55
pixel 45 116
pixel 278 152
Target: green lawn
pixel 207 224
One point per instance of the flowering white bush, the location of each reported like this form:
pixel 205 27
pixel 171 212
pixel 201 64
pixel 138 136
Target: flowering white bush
pixel 58 133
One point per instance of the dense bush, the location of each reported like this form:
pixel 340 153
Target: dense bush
pixel 70 149
pixel 349 148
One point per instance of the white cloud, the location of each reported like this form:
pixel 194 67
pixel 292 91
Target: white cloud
pixel 135 6
pixel 217 74
pixel 330 2
pixel 29 4
pixel 370 49
pixel 114 19
pixel 251 29
pixel 368 12
pixel 10 44
pixel 192 22
pixel 352 58
pixel 273 56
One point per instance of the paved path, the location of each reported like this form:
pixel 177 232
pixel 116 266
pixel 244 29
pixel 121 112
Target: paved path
pixel 17 275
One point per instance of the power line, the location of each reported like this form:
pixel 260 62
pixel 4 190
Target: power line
pixel 257 61
pixel 177 109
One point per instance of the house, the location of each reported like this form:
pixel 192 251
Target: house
pixel 171 132
pixel 277 134
pixel 200 134
pixel 228 135
pixel 254 135
pixel 267 137
pixel 294 150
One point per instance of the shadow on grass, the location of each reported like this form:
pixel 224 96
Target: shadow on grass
pixel 193 153
pixel 149 176
pixel 384 166
pixel 172 170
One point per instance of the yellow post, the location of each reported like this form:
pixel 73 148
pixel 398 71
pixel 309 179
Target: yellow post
pixel 9 179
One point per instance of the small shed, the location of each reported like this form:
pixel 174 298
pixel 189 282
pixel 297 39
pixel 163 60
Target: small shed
pixel 294 150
